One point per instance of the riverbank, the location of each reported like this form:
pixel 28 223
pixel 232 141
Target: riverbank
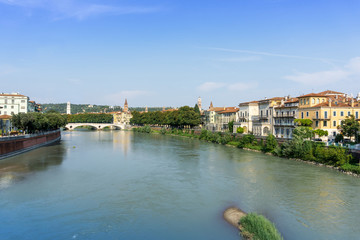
pixel 336 158
pixel 11 146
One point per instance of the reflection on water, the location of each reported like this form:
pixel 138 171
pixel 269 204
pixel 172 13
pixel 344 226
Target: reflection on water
pixel 16 168
pixel 124 185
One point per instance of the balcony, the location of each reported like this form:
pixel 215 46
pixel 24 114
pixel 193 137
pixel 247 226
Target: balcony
pixel 284 125
pixel 321 118
pixel 291 115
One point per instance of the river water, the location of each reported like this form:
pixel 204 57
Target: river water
pixel 125 185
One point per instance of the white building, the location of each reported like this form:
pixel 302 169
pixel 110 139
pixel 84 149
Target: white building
pixel 14 103
pixel 284 117
pixel 247 111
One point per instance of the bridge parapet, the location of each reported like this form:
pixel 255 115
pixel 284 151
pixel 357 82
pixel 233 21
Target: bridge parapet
pixel 98 126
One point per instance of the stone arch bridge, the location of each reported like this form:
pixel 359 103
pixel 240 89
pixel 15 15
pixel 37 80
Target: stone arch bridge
pixel 98 126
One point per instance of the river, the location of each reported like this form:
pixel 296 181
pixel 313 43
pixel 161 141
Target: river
pixel 125 185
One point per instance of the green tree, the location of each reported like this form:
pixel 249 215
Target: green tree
pixel 271 143
pixel 240 130
pixel 197 110
pixel 231 126
pixel 303 132
pixel 304 122
pixel 320 132
pixel 350 126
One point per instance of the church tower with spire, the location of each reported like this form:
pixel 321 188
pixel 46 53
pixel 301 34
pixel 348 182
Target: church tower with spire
pixel 126 107
pixel 211 105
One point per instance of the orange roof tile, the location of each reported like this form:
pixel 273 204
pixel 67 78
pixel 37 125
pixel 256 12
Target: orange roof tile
pixel 312 95
pixel 11 95
pixel 5 116
pixel 330 92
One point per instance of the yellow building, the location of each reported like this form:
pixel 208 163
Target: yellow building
pixel 124 116
pixel 327 109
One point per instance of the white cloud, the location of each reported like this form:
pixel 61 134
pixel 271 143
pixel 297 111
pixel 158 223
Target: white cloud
pixel 117 98
pixel 270 54
pixel 76 9
pixel 241 59
pixel 210 86
pixel 352 69
pixel 239 86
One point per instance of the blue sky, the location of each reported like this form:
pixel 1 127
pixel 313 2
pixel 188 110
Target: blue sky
pixel 170 52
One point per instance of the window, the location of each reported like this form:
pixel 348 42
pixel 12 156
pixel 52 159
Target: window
pixel 267 112
pixel 6 101
pixel 307 114
pixel 316 123
pixel 307 101
pixel 22 107
pixel 301 102
pixel 12 107
pixel 5 112
pixel 334 113
pixel 313 100
pixel 348 113
pixel 325 123
pixel 22 101
pixel 334 123
pixel 357 115
pixel 326 116
pixel 302 115
pixel 5 106
pixel 317 114
pixel 318 101
pixel 342 113
pixel 12 101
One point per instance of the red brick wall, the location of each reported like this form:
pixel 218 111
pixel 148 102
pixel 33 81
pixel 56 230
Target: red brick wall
pixel 19 144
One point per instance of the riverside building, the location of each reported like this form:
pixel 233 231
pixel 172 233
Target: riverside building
pixel 284 116
pixel 14 103
pixel 122 117
pixel 328 109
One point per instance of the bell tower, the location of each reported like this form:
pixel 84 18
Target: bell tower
pixel 199 103
pixel 126 107
pixel 68 108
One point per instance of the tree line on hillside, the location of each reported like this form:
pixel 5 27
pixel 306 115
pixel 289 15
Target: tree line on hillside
pixel 34 121
pixel 86 108
pixel 78 108
pixel 184 116
pixel 90 118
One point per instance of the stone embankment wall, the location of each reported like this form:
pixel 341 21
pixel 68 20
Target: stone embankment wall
pixel 10 146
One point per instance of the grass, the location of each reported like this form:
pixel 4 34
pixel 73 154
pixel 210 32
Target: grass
pixel 257 227
pixel 351 168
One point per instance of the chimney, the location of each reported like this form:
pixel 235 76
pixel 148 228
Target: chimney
pixel 352 102
pixel 330 102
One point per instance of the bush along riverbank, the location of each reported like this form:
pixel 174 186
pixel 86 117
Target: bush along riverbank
pixel 300 147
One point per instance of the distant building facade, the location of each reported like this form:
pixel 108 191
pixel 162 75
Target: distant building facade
pixel 284 117
pixel 123 117
pixel 14 103
pixel 328 109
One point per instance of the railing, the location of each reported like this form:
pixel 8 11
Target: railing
pixel 285 124
pixel 284 115
pixel 7 138
pixel 321 118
